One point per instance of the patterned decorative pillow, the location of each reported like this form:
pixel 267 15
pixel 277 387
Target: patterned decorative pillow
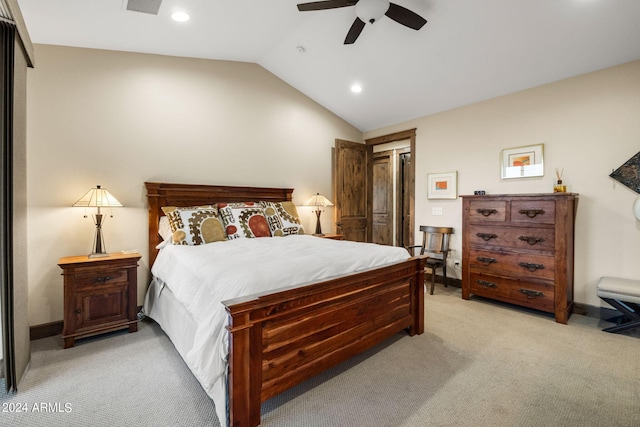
pixel 243 220
pixel 194 225
pixel 283 218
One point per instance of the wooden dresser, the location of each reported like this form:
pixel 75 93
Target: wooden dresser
pixel 519 249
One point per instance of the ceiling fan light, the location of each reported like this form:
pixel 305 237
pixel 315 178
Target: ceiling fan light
pixel 371 10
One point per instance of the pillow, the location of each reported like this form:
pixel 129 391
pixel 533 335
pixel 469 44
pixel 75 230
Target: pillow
pixel 243 220
pixel 164 228
pixel 282 218
pixel 194 225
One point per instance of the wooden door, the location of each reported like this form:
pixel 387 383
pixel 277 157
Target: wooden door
pixel 382 202
pixel 353 188
pixel 405 200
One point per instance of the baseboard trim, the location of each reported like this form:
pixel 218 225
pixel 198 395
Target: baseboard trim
pixel 45 330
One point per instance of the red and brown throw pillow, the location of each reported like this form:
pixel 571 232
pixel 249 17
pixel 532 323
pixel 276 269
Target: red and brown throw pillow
pixel 243 220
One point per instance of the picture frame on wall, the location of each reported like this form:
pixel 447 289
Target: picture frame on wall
pixel 523 162
pixel 442 185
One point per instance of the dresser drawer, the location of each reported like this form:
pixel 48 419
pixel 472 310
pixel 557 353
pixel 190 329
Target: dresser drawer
pixel 487 211
pixel 533 295
pixel 533 212
pixel 519 238
pixel 491 286
pixel 99 278
pixel 519 264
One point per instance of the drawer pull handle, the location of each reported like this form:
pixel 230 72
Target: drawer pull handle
pixel 486 261
pixel 486 284
pixel 531 294
pixel 103 279
pixel 486 236
pixel 531 213
pixel 532 240
pixel 531 267
pixel 486 212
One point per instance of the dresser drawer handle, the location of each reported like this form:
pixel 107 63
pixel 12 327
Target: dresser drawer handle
pixel 531 267
pixel 486 236
pixel 486 212
pixel 531 213
pixel 103 279
pixel 531 294
pixel 532 240
pixel 486 284
pixel 486 261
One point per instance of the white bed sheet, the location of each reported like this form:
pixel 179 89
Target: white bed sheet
pixel 200 277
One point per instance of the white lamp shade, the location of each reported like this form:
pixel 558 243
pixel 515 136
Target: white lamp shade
pixel 371 10
pixel 636 208
pixel 318 200
pixel 97 197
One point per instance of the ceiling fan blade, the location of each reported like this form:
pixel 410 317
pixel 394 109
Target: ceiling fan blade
pixel 354 31
pixel 327 4
pixel 405 17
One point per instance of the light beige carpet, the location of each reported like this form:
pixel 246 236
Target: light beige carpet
pixel 478 364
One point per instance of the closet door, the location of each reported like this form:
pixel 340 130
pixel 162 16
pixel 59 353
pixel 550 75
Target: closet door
pixel 13 207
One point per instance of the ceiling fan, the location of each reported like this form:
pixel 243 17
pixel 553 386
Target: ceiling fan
pixel 368 11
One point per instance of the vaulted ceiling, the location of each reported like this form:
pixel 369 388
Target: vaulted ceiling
pixel 469 50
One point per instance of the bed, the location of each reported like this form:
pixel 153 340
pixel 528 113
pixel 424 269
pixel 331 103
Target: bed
pixel 280 338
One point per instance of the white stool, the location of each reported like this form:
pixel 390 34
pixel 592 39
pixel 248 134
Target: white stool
pixel 623 294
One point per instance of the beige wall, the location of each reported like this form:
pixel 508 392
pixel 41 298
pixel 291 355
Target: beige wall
pixel 589 125
pixel 119 119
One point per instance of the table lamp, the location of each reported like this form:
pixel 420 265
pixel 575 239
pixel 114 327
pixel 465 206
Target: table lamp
pixel 98 198
pixel 318 200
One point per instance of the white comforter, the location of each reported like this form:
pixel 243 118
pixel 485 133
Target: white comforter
pixel 200 277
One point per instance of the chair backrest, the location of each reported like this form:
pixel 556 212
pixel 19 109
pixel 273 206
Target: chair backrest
pixel 435 241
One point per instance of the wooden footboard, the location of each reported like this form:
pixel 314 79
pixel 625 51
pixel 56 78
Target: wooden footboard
pixel 279 340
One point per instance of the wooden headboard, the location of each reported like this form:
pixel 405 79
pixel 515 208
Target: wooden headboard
pixel 161 194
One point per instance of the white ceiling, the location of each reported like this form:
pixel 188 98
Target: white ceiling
pixel 469 50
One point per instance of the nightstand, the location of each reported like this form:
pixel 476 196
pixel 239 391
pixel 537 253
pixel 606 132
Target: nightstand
pixel 100 295
pixel 332 236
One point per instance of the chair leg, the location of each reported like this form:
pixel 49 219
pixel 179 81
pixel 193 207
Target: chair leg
pixel 433 279
pixel 444 273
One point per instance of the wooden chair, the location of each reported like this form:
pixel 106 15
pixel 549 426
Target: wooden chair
pixel 435 244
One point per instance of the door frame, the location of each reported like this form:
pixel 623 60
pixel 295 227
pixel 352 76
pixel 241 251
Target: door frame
pixel 409 134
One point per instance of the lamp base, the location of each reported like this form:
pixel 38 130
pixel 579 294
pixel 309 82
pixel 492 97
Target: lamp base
pixel 98 255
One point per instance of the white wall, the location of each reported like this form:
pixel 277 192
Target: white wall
pixel 119 119
pixel 589 125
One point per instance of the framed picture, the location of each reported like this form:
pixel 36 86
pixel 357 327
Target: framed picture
pixel 442 185
pixel 523 162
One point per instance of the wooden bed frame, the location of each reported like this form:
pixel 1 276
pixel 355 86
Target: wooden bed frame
pixel 281 339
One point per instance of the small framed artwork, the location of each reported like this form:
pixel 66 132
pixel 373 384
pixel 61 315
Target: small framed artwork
pixel 523 162
pixel 442 185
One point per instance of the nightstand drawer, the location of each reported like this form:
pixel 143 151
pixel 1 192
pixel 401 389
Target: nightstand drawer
pixel 106 277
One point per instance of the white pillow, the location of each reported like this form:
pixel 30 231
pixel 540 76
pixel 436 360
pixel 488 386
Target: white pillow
pixel 164 229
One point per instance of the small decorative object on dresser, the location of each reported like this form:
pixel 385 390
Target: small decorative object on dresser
pixel 519 249
pixel 100 295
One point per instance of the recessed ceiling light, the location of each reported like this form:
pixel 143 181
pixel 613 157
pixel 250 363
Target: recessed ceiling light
pixel 356 88
pixel 180 16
